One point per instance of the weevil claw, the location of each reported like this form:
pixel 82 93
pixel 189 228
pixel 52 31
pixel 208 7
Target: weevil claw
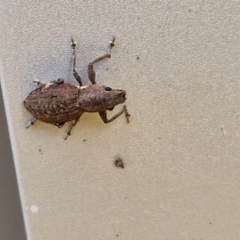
pixel 73 43
pixel 112 44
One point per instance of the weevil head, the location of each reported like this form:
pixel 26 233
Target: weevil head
pixel 96 98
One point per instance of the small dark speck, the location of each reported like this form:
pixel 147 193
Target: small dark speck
pixel 159 138
pixel 223 131
pixel 116 235
pixel 118 162
pixel 84 140
pixel 210 223
pixel 189 10
pixel 40 150
pixel 138 18
pixel 106 69
pixel 138 57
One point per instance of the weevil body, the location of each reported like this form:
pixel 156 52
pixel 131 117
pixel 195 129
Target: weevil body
pixel 58 102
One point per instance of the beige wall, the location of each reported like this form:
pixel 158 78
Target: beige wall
pixel 179 63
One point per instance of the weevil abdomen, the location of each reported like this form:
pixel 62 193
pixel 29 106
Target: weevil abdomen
pixel 54 103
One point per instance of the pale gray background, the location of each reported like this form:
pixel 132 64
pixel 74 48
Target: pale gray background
pixel 181 149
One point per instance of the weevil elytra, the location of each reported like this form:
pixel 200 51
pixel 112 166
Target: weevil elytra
pixel 58 102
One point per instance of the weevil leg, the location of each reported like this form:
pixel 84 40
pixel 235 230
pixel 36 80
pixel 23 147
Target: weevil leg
pixel 73 123
pixel 38 82
pixel 91 72
pixel 31 122
pixel 75 74
pixel 59 125
pixel 103 115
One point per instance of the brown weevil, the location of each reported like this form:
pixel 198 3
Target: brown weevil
pixel 58 102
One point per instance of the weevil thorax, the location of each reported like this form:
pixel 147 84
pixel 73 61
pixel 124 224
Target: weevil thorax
pixel 96 98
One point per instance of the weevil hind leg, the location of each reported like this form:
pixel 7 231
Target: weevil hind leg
pixel 70 127
pixel 75 74
pixel 103 115
pixel 31 122
pixel 91 71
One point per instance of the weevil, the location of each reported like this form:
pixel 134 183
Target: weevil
pixel 57 102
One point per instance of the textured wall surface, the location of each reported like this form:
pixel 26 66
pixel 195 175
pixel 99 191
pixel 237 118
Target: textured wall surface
pixel 179 62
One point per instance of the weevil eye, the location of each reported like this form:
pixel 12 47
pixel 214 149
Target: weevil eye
pixel 110 109
pixel 108 89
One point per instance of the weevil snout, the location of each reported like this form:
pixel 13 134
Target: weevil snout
pixel 121 96
pixel 124 93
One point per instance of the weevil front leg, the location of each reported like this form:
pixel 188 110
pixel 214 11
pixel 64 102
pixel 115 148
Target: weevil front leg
pixel 72 124
pixel 91 72
pixel 103 115
pixel 31 122
pixel 75 74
